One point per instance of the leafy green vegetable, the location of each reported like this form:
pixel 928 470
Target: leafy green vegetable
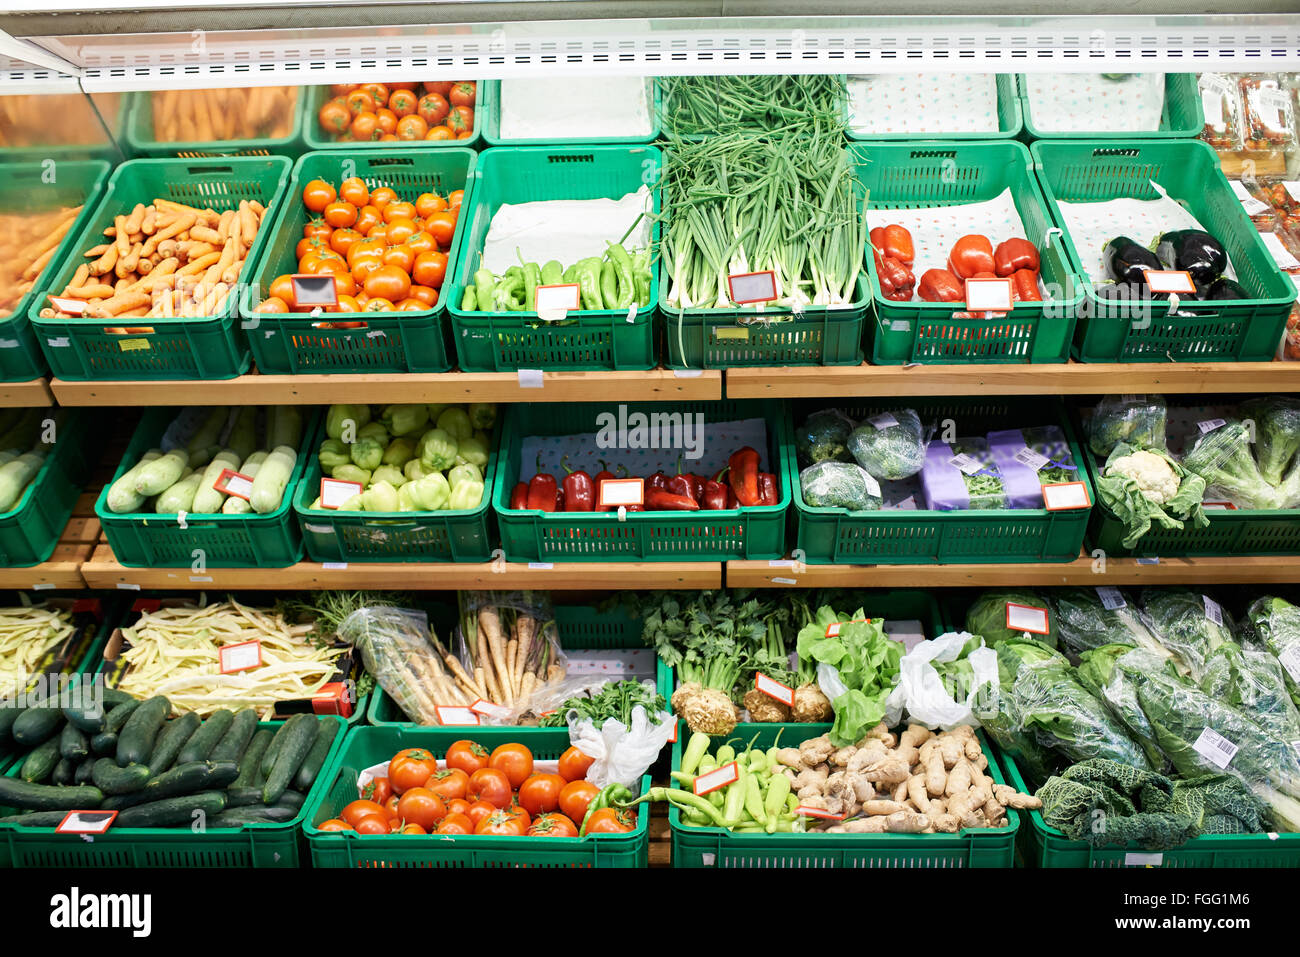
pixel 866 660
pixel 1274 624
pixel 614 700
pixel 823 437
pixel 1111 672
pixel 1130 420
pixel 987 615
pixel 1223 458
pixel 1141 492
pixel 1277 432
pixel 1251 680
pixel 1183 621
pixel 1083 622
pixel 839 485
pixel 890 445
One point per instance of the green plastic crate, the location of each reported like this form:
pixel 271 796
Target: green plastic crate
pixel 918 175
pixel 413 341
pixel 1044 846
pixel 717 847
pixel 317 139
pixel 250 845
pixel 1010 119
pixel 1182 117
pixel 26 187
pixel 335 536
pixel 490 96
pixel 140 139
pixel 916 537
pixel 1243 330
pixel 366 747
pixel 30 530
pixel 201 348
pixel 147 540
pixel 596 338
pixel 744 533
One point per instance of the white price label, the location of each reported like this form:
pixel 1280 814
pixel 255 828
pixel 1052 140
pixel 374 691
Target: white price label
pixel 1209 425
pixel 1281 255
pixel 1213 610
pixel 557 299
pixel 240 657
pixel 1252 205
pixel 334 566
pixel 73 307
pixel 1027 618
pixel 616 492
pixel 1063 496
pixel 748 287
pixel 1032 459
pixel 1144 859
pixel 1111 599
pixel 334 492
pixel 965 463
pixel 774 689
pixel 900 325
pixel 541 566
pixel 86 822
pixel 989 295
pixel 883 421
pixel 1218 506
pixel 719 778
pixel 1290 660
pixel 489 709
pixel 1176 281
pixel 1150 560
pixel 531 379
pixel 448 714
pixel 1212 103
pixel 1215 748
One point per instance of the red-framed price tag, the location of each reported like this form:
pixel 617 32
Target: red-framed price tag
pixel 562 297
pixel 234 483
pixel 672 738
pixel 313 290
pixel 833 629
pixel 1177 282
pixel 86 822
pixel 73 307
pixel 621 491
pixel 818 812
pixel 748 287
pixel 334 492
pixel 774 689
pixel 490 709
pixel 1064 496
pixel 455 714
pixel 1027 618
pixel 718 778
pixel 1219 506
pixel 239 657
pixel 989 295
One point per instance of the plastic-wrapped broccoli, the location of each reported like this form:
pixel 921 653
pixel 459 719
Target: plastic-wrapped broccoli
pixel 839 485
pixel 823 437
pixel 1132 419
pixel 890 445
pixel 1223 458
pixel 1277 432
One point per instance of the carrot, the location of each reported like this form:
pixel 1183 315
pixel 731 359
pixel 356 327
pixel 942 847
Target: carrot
pixel 179 224
pixel 248 222
pixel 94 291
pixel 80 276
pixel 195 266
pixel 134 221
pixel 122 235
pixel 118 304
pixel 150 221
pixel 223 227
pixel 94 252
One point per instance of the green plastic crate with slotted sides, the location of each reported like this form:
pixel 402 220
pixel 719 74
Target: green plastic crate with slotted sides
pixel 1010 120
pixel 1243 330
pixel 490 97
pixel 331 535
pixel 1180 118
pixel 30 530
pixel 318 139
pixel 367 747
pixel 718 847
pixel 1042 845
pixel 147 540
pixel 250 845
pixel 535 536
pixel 591 339
pixel 399 341
pixel 207 347
pixel 828 536
pixel 142 138
pixel 921 175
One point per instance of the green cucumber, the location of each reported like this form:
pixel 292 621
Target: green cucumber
pixel 47 797
pixel 84 770
pixel 272 752
pixel 315 759
pixel 234 741
pixel 171 811
pixel 251 763
pixel 36 726
pixel 202 741
pixel 38 818
pixel 135 740
pixel 104 743
pixel 249 796
pixel 64 772
pixel 118 716
pixel 299 733
pixel 171 739
pixel 256 814
pixel 73 743
pixel 92 720
pixel 111 778
pixel 181 780
pixel 40 763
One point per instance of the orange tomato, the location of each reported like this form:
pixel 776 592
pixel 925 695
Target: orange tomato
pixel 398 229
pixel 410 767
pixel 334 115
pixel 400 256
pixel 465 135
pixel 514 760
pixel 379 234
pixel 442 226
pixel 305 246
pixel 426 295
pixel 411 128
pixel 421 806
pixel 541 793
pixel 309 262
pixel 402 101
pixel 359 101
pixel 463 93
pixel 460 119
pixel 340 214
pixel 388 138
pixel 363 267
pixel 282 289
pixel 364 126
pixel 413 829
pixel 455 824
pixel 502 824
pixel 368 217
pixel 456 197
pixel 609 820
pixel 441 87
pixel 430 269
pixel 342 89
pixel 334 824
pixel 381 197
pixel 438 133
pixel 458 805
pixel 386 120
pixel 450 784
pixel 433 108
pixel 575 796
pixel 422 242
pixel 276 304
pixel 377 305
pixel 344 284
pixel 390 806
pixel 574 764
pixel 467 755
pixel 429 203
pixel 316 195
pixel 357 810
pixel 353 189
pixel 348 303
pixel 341 240
pixel 365 248
pixel 399 209
pixel 378 91
pixel 552 825
pixel 479 810
pixel 411 305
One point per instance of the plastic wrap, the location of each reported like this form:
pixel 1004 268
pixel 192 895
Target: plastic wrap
pixel 987 615
pixel 1112 673
pixel 1189 624
pixel 960 476
pixel 1274 624
pixel 1221 104
pixel 945 682
pixel 840 485
pixel 509 647
pixel 1137 420
pixel 1251 679
pixel 397 649
pixel 1088 618
pixel 823 437
pixel 1028 459
pixel 1268 112
pixel 1223 458
pixel 1276 421
pixel 890 445
pixel 623 753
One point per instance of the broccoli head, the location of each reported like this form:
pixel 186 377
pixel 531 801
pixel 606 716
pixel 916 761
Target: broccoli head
pixel 839 485
pixel 890 445
pixel 1135 420
pixel 823 437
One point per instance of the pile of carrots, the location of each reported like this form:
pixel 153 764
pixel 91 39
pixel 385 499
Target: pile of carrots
pixel 27 243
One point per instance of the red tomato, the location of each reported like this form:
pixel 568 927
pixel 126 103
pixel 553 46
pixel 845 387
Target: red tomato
pixel 426 295
pixel 390 807
pixel 552 825
pixel 341 240
pixel 318 194
pixel 334 116
pixel 610 820
pixel 359 101
pixel 541 793
pixel 442 227
pixel 433 108
pixel 398 229
pixel 479 810
pixel 365 126
pixel 462 94
pixel 574 765
pixel 412 128
pixel 334 824
pixel 438 133
pixel 393 284
pixel 467 755
pixel 426 204
pixel 459 805
pixel 353 189
pixel 373 824
pixel 421 806
pixel 381 197
pixel 386 120
pixel 276 304
pixel 460 119
pixel 368 217
pixel 411 305
pixel 413 829
pixel 377 91
pixel 516 811
pixel 401 256
pixel 410 767
pixel 514 760
pixel 340 214
pixel 456 197
pixel 456 824
pixel 575 796
pixel 491 785
pixel 430 269
pixel 441 87
pixel 502 824
pixel 448 783
pixel 399 209
pixel 402 102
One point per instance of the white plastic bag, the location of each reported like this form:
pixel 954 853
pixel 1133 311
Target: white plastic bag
pixel 622 755
pixel 920 693
pixel 830 682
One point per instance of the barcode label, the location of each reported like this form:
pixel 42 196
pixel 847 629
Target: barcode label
pixel 1110 597
pixel 1032 459
pixel 965 463
pixel 1290 659
pixel 1213 610
pixel 883 421
pixel 1215 748
pixel 1209 425
pixel 1144 858
pixel 1252 205
pixel 1281 255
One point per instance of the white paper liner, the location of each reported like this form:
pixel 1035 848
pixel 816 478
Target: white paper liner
pixel 923 103
pixel 564 229
pixel 556 108
pixel 1089 102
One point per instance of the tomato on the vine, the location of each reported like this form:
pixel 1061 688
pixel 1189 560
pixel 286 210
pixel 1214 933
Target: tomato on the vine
pixel 467 755
pixel 410 767
pixel 377 791
pixel 514 759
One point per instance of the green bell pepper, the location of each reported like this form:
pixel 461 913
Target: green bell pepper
pixel 482 415
pixel 390 474
pixel 466 495
pixel 414 470
pixel 405 419
pixel 435 410
pixel 438 449
pixel 472 450
pixel 351 473
pixel 404 502
pixel 376 432
pixel 464 473
pixel 400 451
pixel 380 497
pixel 455 421
pixel 333 453
pixel 431 493
pixel 354 504
pixel 367 454
pixel 339 415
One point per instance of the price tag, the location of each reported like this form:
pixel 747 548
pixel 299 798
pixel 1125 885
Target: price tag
pixel 314 290
pixel 41 586
pixel 1150 560
pixel 541 566
pixel 334 492
pixel 1215 748
pixel 1209 425
pixel 1110 597
pixel 234 483
pixel 747 287
pixel 718 778
pixel 562 297
pixel 774 689
pixel 989 295
pixel 128 586
pixel 672 738
pixel 1252 205
pixel 965 463
pixel 833 629
pixel 1032 459
pixel 489 709
pixel 818 812
pixel 1064 496
pixel 784 581
pixel 334 566
pixel 883 421
pixel 531 379
pixel 1281 255
pixel 455 715
pixel 1144 859
pixel 134 345
pixel 1175 281
pixel 73 307
pixel 240 657
pixel 1213 610
pixel 86 822
pixel 616 492
pixel 1027 618
pixel 1290 660
pixel 1219 506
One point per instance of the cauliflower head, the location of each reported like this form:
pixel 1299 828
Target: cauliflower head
pixel 1152 473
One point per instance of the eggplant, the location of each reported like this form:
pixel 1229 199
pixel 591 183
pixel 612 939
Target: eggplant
pixel 1127 261
pixel 1223 288
pixel 1197 253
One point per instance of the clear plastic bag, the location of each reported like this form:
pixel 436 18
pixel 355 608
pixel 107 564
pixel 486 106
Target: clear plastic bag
pixel 1268 111
pixel 1137 420
pixel 399 650
pixel 962 475
pixel 823 437
pixel 1028 459
pixel 1221 104
pixel 509 646
pixel 623 754
pixel 890 445
pixel 840 485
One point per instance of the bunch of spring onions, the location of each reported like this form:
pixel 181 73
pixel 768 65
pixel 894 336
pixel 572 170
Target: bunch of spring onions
pixel 708 105
pixel 786 199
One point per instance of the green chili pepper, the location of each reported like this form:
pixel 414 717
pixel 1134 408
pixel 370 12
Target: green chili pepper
pixel 552 273
pixel 469 301
pixel 485 285
pixel 532 279
pixel 588 271
pixel 608 284
pixel 622 263
pixel 509 291
pixel 682 800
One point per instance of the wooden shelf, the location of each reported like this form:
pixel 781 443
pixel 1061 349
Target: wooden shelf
pixel 63 568
pixel 25 395
pixel 1231 570
pixel 1070 378
pixel 654 385
pixel 102 570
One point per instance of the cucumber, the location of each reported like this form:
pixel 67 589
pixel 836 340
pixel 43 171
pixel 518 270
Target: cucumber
pixel 84 770
pixel 122 496
pixel 9 713
pixel 234 741
pixel 202 741
pixel 243 434
pixel 39 818
pixel 286 428
pixel 169 811
pixel 112 779
pixel 315 759
pixel 119 715
pixel 73 743
pixel 272 750
pixel 251 763
pixel 40 763
pixel 276 814
pixel 170 740
pixel 299 733
pixel 86 720
pixel 36 725
pixel 248 797
pixel 207 499
pixel 64 772
pixel 104 743
pixel 47 797
pixel 181 780
pixel 135 740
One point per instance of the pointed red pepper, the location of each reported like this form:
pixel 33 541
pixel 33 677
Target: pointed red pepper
pixel 1024 286
pixel 662 500
pixel 597 480
pixel 519 496
pixel 744 475
pixel 769 491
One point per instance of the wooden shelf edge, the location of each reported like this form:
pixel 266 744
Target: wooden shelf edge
pixel 30 394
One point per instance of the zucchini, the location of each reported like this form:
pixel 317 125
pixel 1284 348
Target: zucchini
pixel 15 476
pixel 181 780
pixel 170 740
pixel 234 741
pixel 256 814
pixel 204 740
pixel 112 779
pixel 40 763
pixel 272 477
pixel 250 763
pixel 243 435
pixel 73 743
pixel 135 740
pixel 207 499
pixel 161 474
pixel 104 743
pixel 203 443
pixel 286 427
pixel 236 505
pixel 299 733
pixel 169 811
pixel 84 770
pixel 63 774
pixel 247 797
pixel 47 797
pixel 315 759
pixel 179 497
pixel 36 725
pixel 119 715
pixel 122 496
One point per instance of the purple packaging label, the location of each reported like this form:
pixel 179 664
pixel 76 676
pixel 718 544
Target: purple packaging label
pixel 1020 481
pixel 942 484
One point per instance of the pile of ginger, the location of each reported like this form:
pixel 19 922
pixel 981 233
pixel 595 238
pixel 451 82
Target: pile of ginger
pixel 919 782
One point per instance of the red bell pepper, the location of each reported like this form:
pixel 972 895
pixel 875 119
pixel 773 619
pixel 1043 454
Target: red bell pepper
pixel 970 255
pixel 893 242
pixel 896 280
pixel 1024 286
pixel 1012 255
pixel 939 285
pixel 597 480
pixel 519 496
pixel 543 492
pixel 683 483
pixel 579 490
pixel 559 500
pixel 662 500
pixel 769 492
pixel 714 494
pixel 744 475
pixel 658 480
